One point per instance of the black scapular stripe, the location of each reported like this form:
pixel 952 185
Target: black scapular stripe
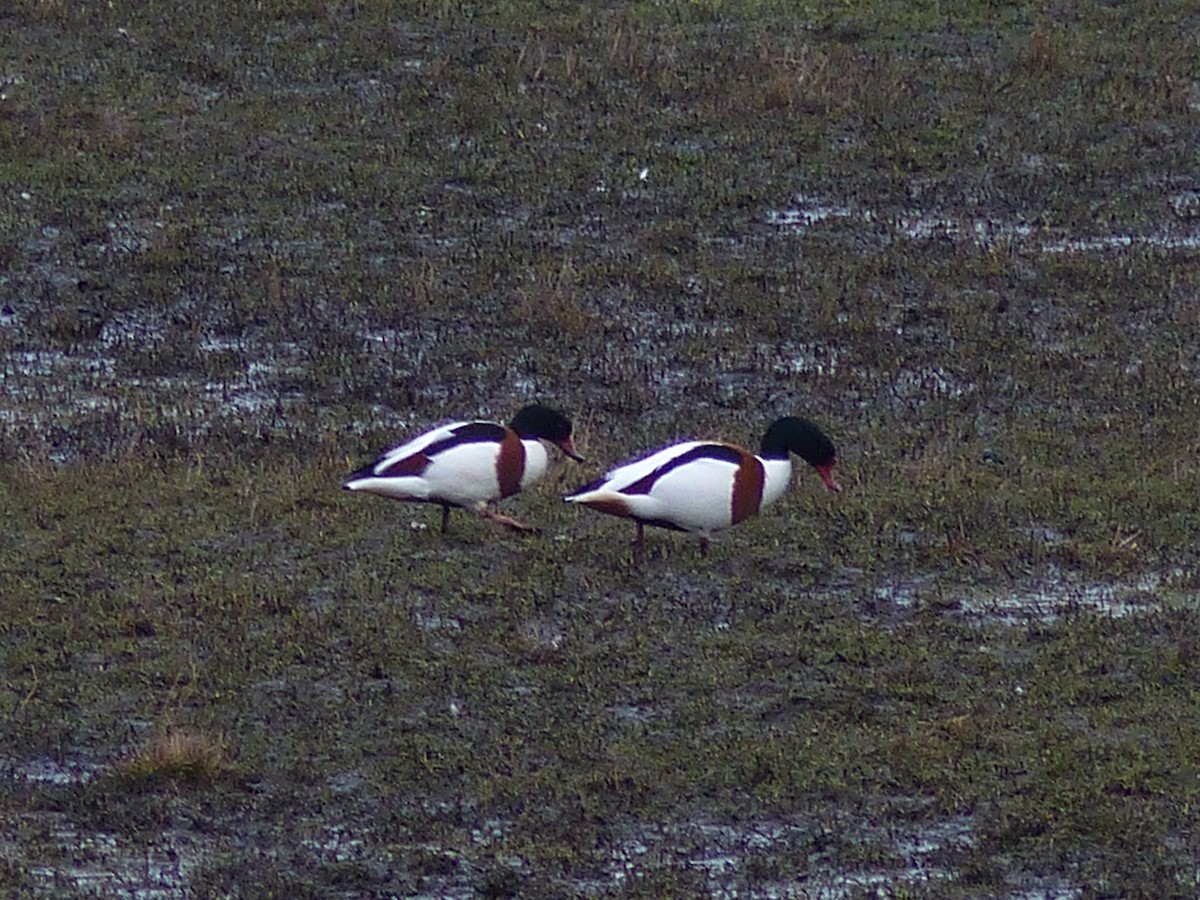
pixel 723 452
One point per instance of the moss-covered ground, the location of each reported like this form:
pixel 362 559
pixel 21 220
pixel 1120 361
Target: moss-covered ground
pixel 243 246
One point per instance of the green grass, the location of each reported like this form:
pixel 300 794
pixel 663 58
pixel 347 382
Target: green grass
pixel 548 686
pixel 245 249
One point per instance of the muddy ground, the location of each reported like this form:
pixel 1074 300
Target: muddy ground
pixel 242 249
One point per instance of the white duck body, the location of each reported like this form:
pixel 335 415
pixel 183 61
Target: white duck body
pixel 466 464
pixel 706 487
pixel 697 486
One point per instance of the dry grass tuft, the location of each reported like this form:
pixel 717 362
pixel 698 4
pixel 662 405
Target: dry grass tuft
pixel 1045 53
pixel 807 80
pixel 550 304
pixel 420 285
pixel 79 126
pixel 181 754
pixel 70 327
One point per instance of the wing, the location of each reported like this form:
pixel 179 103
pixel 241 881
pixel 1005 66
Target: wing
pixel 693 486
pixel 638 477
pixel 413 457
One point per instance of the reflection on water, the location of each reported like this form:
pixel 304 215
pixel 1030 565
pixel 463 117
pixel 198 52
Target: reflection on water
pixel 1046 600
pixel 806 212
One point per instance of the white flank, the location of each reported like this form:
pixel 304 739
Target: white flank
pixel 463 475
pixel 696 496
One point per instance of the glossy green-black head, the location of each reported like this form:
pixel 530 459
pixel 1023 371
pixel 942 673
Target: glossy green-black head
pixel 537 421
pixel 807 441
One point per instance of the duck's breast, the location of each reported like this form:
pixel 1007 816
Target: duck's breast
pixel 535 461
pixel 777 475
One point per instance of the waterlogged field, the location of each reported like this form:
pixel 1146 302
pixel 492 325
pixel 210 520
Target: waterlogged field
pixel 245 246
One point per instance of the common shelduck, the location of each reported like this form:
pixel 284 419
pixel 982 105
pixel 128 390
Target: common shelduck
pixel 704 487
pixel 470 464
